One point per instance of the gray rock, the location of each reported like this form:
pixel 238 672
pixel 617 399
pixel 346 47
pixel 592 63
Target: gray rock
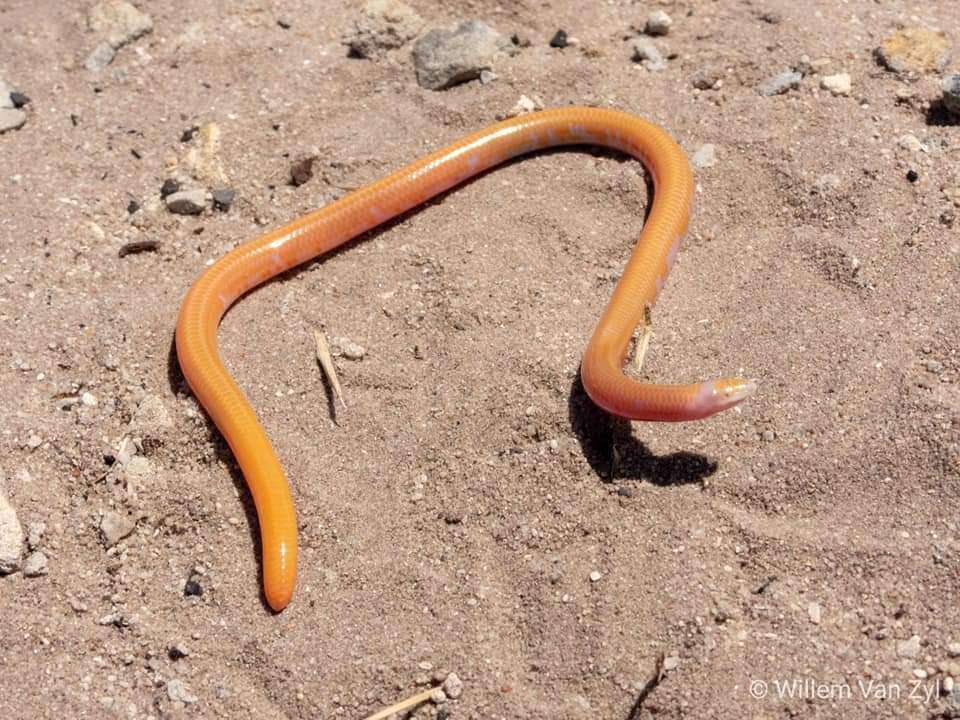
pixel 178 691
pixel 114 527
pixel 779 84
pixel 187 202
pixel 383 25
pixel 953 649
pixel 951 93
pixel 118 22
pixel 658 23
pixel 35 531
pixel 35 564
pixel 705 156
pixel 444 58
pixel 11 119
pixel 644 51
pixel 11 537
pixel 223 198
pixel 101 56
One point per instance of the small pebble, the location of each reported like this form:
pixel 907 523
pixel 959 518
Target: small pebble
pixel 949 667
pixel 135 248
pixel 178 691
pixel 779 84
pixel 35 564
pixel 644 51
pixel 88 399
pixel 101 56
pixel 912 176
pixel 706 78
pixel 11 119
pixel 912 143
pixel 948 684
pixel 559 39
pixel 169 187
pixel 705 156
pixel 934 366
pixel 953 649
pixel 909 648
pixel 118 22
pixel 524 105
pixel 192 587
pixel 178 651
pixel 187 202
pixel 671 662
pixel 223 199
pixel 11 537
pixel 595 576
pixel 658 23
pixel 438 697
pixel 951 93
pixel 349 349
pixel 35 531
pixel 453 686
pixel 383 25
pixel 838 84
pixel 114 527
pixel 814 612
pixel 301 171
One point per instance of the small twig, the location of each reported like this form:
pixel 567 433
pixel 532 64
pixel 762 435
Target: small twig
pixel 410 702
pixel 643 341
pixel 655 677
pixel 326 362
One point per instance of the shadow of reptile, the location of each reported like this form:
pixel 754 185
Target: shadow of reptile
pixel 611 450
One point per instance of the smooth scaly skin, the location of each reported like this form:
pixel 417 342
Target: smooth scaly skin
pixel 311 235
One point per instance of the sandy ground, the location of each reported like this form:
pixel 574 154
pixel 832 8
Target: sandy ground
pixel 451 517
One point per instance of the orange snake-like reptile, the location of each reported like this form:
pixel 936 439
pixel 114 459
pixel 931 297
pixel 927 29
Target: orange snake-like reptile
pixel 322 230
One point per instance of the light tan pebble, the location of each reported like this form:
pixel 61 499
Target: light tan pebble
pixel 453 686
pixel 838 84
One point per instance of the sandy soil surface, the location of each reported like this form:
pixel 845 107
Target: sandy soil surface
pixel 453 515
